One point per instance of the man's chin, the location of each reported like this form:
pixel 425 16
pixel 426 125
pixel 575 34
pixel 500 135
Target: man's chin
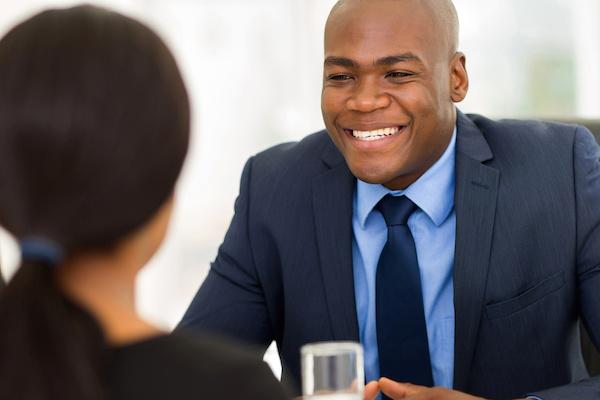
pixel 373 175
pixel 383 176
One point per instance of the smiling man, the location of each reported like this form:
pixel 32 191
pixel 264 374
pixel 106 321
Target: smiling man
pixel 391 75
pixel 460 251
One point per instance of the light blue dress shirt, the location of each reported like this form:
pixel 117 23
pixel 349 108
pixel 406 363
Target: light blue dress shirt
pixel 433 227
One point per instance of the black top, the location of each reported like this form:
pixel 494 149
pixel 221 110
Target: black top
pixel 179 367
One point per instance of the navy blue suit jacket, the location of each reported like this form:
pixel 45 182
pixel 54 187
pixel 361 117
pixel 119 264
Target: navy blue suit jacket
pixel 527 261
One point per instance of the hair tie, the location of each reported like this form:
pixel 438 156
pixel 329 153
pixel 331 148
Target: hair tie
pixel 41 250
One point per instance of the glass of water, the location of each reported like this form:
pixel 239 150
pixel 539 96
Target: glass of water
pixel 332 371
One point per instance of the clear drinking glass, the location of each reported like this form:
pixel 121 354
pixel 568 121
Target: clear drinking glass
pixel 332 371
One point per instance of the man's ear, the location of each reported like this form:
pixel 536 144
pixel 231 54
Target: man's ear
pixel 459 79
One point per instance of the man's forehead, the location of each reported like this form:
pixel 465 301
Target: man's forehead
pixel 377 32
pixel 435 19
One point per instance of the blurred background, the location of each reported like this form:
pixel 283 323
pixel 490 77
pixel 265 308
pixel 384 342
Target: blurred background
pixel 253 70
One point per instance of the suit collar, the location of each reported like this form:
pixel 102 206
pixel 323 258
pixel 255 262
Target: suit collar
pixel 470 140
pixel 331 156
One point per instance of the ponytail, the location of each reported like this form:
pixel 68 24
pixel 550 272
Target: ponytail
pixel 50 348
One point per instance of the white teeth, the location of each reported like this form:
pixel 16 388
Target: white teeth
pixel 375 134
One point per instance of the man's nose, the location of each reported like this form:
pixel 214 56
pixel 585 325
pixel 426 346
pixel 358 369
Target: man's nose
pixel 368 97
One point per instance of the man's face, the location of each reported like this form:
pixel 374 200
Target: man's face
pixel 390 79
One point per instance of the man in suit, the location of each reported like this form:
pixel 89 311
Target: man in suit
pixel 458 250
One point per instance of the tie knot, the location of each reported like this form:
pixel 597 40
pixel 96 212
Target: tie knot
pixel 396 209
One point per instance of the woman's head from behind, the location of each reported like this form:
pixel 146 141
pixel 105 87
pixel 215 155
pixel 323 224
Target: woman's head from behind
pixel 94 128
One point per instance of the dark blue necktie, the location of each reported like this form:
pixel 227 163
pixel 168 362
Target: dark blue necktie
pixel 401 329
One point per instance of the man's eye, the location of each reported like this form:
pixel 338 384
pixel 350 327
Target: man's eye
pixel 398 75
pixel 339 77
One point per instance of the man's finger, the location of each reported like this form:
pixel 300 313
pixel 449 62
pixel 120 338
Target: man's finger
pixel 397 390
pixel 371 390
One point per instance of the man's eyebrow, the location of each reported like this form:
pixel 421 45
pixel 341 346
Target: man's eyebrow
pixel 340 61
pixel 395 59
pixel 389 60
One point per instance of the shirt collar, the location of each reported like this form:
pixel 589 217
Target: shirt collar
pixel 433 192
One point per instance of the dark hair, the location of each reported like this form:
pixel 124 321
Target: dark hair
pixel 94 129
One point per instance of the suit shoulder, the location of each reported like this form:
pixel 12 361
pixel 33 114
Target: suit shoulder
pixel 523 131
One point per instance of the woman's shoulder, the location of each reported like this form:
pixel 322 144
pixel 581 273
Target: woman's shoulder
pixel 179 366
pixel 180 349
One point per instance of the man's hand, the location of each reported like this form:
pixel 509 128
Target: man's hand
pixel 408 391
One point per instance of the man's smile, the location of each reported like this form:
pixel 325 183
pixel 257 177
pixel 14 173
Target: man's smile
pixel 379 134
pixel 374 134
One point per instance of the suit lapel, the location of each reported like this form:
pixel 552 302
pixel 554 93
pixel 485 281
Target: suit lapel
pixel 475 205
pixel 332 203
